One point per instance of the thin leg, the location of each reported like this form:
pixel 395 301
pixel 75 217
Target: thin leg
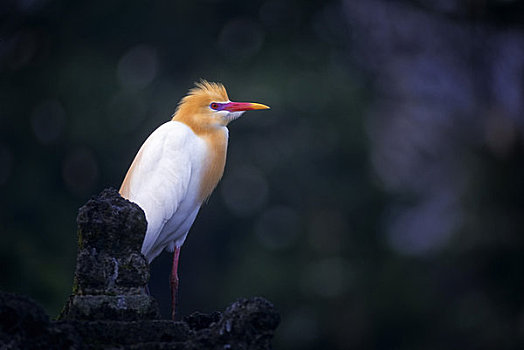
pixel 174 281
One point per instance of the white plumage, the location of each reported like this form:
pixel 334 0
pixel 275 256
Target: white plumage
pixel 179 165
pixel 165 182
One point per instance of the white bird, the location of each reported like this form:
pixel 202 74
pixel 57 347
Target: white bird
pixel 178 166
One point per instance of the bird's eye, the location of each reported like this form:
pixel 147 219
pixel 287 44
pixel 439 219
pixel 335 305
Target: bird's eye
pixel 213 105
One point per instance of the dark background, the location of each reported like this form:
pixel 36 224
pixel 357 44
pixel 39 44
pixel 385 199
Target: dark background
pixel 378 204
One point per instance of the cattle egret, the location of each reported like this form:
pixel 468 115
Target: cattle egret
pixel 178 166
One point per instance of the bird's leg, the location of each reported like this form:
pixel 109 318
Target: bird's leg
pixel 174 281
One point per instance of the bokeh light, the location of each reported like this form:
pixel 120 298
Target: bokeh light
pixel 245 191
pixel 137 67
pixel 378 203
pixel 277 228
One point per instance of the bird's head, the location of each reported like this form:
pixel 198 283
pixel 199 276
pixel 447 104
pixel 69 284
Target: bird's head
pixel 208 106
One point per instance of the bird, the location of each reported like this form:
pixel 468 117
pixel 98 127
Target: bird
pixel 178 166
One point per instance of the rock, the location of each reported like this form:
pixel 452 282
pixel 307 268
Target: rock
pixel 25 325
pixel 109 309
pixel 249 319
pixel 111 223
pixel 113 334
pixel 111 273
pixel 197 320
pixel 246 324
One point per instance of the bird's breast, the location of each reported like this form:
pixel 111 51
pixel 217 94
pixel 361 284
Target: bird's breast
pixel 215 161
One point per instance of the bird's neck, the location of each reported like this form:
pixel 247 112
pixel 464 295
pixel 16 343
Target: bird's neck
pixel 200 123
pixel 216 137
pixel 216 140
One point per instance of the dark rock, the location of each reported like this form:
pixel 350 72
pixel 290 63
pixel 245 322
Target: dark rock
pixel 120 333
pixel 246 324
pixel 197 320
pixel 131 271
pixel 101 273
pixel 111 273
pixel 25 325
pixel 109 309
pixel 111 230
pixel 249 316
pixel 109 222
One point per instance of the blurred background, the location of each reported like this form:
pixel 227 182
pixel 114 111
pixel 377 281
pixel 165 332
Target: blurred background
pixel 378 204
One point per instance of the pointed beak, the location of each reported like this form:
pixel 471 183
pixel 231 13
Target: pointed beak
pixel 243 106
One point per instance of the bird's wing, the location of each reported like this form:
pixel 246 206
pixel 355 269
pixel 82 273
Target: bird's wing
pixel 159 178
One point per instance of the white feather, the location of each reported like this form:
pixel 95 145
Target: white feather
pixel 165 182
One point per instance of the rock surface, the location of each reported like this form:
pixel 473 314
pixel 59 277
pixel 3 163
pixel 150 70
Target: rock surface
pixel 109 308
pixel 111 274
pixel 25 325
pixel 245 324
